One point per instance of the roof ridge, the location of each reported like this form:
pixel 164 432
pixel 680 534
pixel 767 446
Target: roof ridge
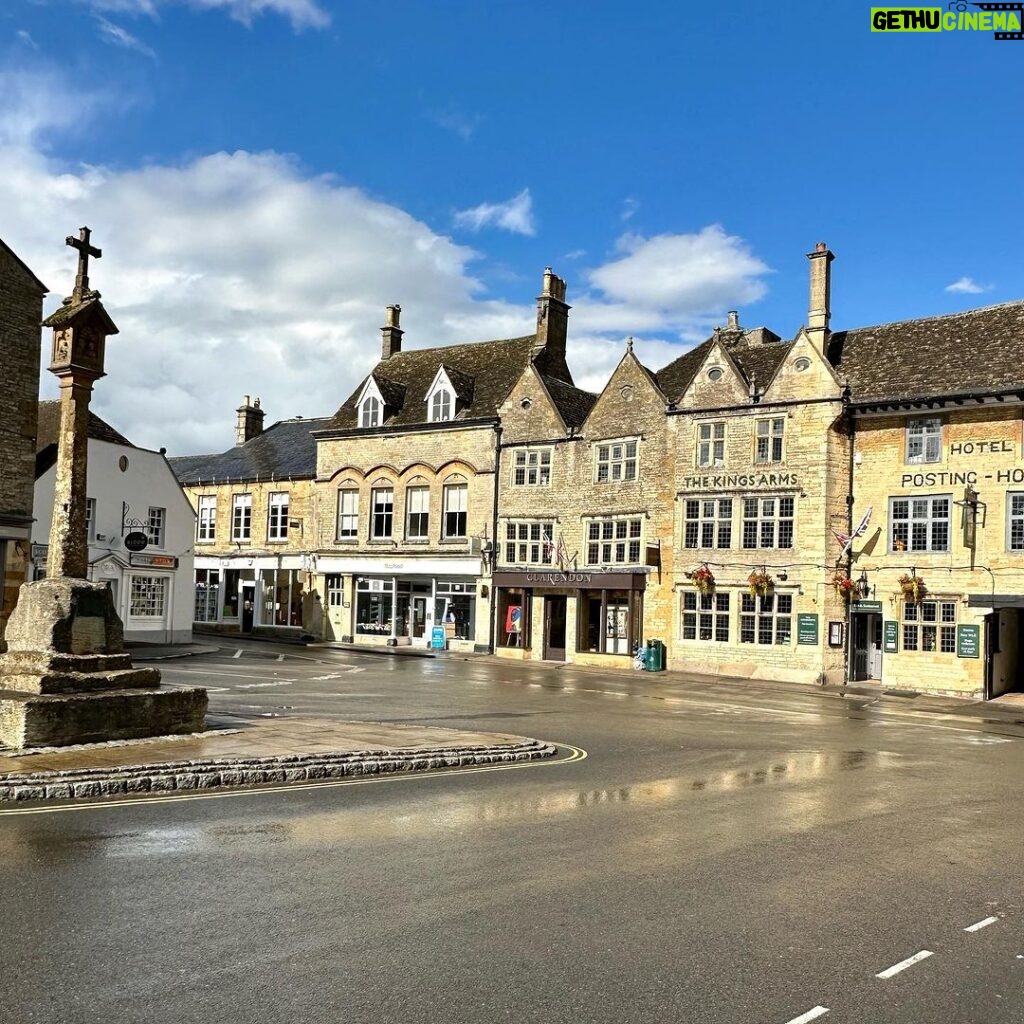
pixel 938 316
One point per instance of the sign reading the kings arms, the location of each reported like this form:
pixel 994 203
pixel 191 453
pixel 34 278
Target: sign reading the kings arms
pixel 725 481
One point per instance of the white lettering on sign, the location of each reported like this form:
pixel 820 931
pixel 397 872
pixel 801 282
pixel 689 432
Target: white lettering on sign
pixel 720 481
pixel 556 579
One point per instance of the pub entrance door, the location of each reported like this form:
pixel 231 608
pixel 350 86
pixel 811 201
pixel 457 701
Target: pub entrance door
pixel 554 628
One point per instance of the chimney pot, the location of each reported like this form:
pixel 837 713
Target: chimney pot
pixel 391 333
pixel 552 323
pixel 249 423
pixel 821 247
pixel 734 320
pixel 819 310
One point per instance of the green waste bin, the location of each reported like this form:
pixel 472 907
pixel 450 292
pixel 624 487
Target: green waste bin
pixel 655 660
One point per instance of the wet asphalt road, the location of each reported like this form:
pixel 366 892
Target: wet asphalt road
pixel 725 853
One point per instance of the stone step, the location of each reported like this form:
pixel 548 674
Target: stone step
pixel 57 719
pixel 53 682
pixel 21 662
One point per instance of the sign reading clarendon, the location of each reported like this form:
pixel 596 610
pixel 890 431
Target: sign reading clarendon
pixel 586 580
pixel 745 481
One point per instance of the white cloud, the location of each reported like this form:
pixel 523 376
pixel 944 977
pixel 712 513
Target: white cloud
pixel 515 215
pixel 118 36
pixel 301 13
pixel 967 286
pixel 26 38
pixel 236 273
pixel 455 121
pixel 629 208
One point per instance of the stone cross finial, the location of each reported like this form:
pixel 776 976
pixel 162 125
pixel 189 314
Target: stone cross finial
pixel 85 250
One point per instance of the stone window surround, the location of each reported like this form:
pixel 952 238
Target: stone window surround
pixel 532 461
pixel 766 620
pixel 929 625
pixel 241 518
pixel 632 537
pixel 928 437
pixel 351 515
pixel 771 430
pixel 533 538
pixel 709 450
pixel 705 613
pixel 776 522
pixel 930 522
pixel 627 462
pixel 708 524
pixel 206 518
pixel 278 508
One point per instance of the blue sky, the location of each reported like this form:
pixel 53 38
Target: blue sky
pixel 266 175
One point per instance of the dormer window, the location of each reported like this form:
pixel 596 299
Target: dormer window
pixel 441 406
pixel 369 412
pixel 441 397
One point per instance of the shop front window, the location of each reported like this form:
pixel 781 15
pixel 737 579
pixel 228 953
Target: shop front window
pixel 455 609
pixel 231 581
pixel 207 595
pixel 608 632
pixel 513 619
pixel 374 607
pixel 282 597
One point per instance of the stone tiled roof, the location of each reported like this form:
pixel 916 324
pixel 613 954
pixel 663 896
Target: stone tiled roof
pixel 486 372
pixel 284 451
pixel 760 363
pixel 675 378
pixel 48 427
pixel 977 351
pixel 23 265
pixel 573 404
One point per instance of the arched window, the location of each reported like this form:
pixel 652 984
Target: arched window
pixel 369 413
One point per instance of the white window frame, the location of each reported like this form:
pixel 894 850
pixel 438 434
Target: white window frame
pixel 528 541
pixel 347 526
pixel 923 440
pixel 455 518
pixel 206 518
pixel 531 467
pixel 241 518
pixel 617 461
pixel 704 617
pixel 1015 520
pixel 441 398
pixel 613 540
pixel 921 511
pixel 382 512
pixel 156 526
pixel 147 597
pixel 90 518
pixel 417 503
pixel 711 444
pixel 334 584
pixel 278 504
pixel 773 519
pixel 929 626
pixel 707 523
pixel 369 412
pixel 769 437
pixel 766 619
pixel 207 596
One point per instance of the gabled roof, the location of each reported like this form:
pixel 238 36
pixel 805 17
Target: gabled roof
pixel 675 378
pixel 48 430
pixel 89 307
pixel 461 382
pixel 757 354
pixel 48 427
pixel 573 404
pixel 486 372
pixel 979 350
pixel 286 450
pixel 392 393
pixel 24 266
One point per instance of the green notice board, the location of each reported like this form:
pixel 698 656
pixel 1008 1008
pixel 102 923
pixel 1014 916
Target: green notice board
pixel 890 637
pixel 967 641
pixel 807 628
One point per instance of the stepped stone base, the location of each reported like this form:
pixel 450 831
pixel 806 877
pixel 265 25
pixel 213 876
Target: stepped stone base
pixel 67 679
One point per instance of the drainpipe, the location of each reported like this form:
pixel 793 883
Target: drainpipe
pixel 852 430
pixel 492 637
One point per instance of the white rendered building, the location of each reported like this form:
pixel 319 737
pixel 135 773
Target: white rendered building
pixel 130 490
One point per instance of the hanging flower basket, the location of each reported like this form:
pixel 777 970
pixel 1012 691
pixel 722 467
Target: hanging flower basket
pixel 843 584
pixel 912 588
pixel 760 583
pixel 703 579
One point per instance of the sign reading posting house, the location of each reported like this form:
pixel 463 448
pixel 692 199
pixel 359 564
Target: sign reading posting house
pixel 967 641
pixel 890 637
pixel 807 628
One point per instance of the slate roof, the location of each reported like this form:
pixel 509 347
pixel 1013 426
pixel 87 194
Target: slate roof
pixel 286 450
pixel 48 427
pixel 977 351
pixel 573 404
pixel 492 367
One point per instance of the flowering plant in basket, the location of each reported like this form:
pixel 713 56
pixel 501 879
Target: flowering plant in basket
pixel 843 584
pixel 913 587
pixel 759 582
pixel 704 579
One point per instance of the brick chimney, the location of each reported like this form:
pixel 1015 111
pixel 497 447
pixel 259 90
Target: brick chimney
pixel 552 320
pixel 250 421
pixel 391 333
pixel 820 309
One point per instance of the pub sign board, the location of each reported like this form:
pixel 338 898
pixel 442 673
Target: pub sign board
pixel 807 628
pixel 890 636
pixel 136 541
pixel 968 641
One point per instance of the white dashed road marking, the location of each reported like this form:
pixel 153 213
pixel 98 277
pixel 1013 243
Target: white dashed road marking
pixel 904 964
pixel 818 1011
pixel 256 686
pixel 978 925
pixel 237 653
